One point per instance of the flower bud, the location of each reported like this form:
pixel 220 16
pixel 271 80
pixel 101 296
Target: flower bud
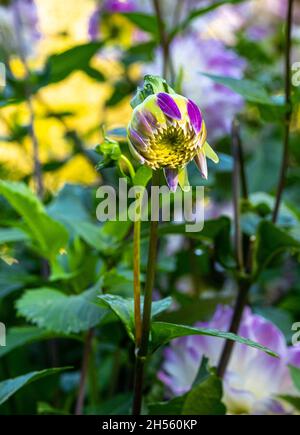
pixel 168 131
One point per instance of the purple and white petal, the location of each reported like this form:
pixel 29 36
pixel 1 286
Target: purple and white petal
pixel 136 139
pixel 201 163
pixel 253 380
pixel 195 116
pixel 167 104
pixel 171 176
pixel 119 6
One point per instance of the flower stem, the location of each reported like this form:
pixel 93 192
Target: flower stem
pixel 288 112
pixel 243 283
pixel 137 282
pixel 84 371
pixel 164 42
pixel 142 351
pixel 236 196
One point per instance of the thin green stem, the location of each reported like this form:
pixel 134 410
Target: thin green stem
pixel 288 113
pixel 142 351
pixel 129 166
pixel 168 67
pixel 137 281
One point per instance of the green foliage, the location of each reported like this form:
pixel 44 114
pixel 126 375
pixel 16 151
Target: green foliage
pixel 163 332
pixel 60 66
pixel 252 91
pixel 295 375
pixel 124 309
pixel 11 386
pixel 272 241
pixel 152 85
pixel 145 22
pixel 21 336
pixel 55 311
pixel 48 236
pixel 205 398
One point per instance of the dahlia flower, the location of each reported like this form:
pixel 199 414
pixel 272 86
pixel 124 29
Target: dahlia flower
pixel 253 380
pixel 167 131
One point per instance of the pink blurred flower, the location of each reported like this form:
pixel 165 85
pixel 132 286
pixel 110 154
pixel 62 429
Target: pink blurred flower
pixel 110 6
pixel 194 56
pixel 19 27
pixel 253 379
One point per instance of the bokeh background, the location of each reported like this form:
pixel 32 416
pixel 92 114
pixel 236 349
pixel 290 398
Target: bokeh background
pixel 71 71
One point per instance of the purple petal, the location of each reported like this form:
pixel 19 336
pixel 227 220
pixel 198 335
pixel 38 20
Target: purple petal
pixel 144 124
pixel 115 6
pixel 195 116
pixel 93 26
pixel 171 176
pixel 168 105
pixel 200 161
pixel 136 139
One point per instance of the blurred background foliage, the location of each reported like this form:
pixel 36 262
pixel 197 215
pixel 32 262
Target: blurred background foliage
pixel 71 71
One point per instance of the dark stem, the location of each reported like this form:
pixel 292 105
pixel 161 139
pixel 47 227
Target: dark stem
pixel 240 303
pixel 141 353
pixel 238 241
pixel 288 113
pixel 164 42
pixel 244 184
pixel 84 371
pixel 243 284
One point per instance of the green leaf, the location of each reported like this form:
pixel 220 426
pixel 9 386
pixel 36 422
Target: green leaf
pixel 49 236
pixel 11 386
pixel 10 235
pixel 94 236
pixel 171 407
pixel 292 400
pixel 145 22
pixel 163 332
pixel 252 91
pixel 295 375
pixel 44 408
pixel 216 231
pixel 205 398
pixel 143 176
pixel 69 205
pixel 124 309
pixel 271 241
pixel 60 66
pixel 19 336
pixel 53 310
pixel 109 151
pixel 143 52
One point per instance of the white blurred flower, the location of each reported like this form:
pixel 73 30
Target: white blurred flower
pixel 193 56
pixel 18 28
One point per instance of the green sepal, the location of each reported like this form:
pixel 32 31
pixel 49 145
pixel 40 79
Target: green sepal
pixel 152 85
